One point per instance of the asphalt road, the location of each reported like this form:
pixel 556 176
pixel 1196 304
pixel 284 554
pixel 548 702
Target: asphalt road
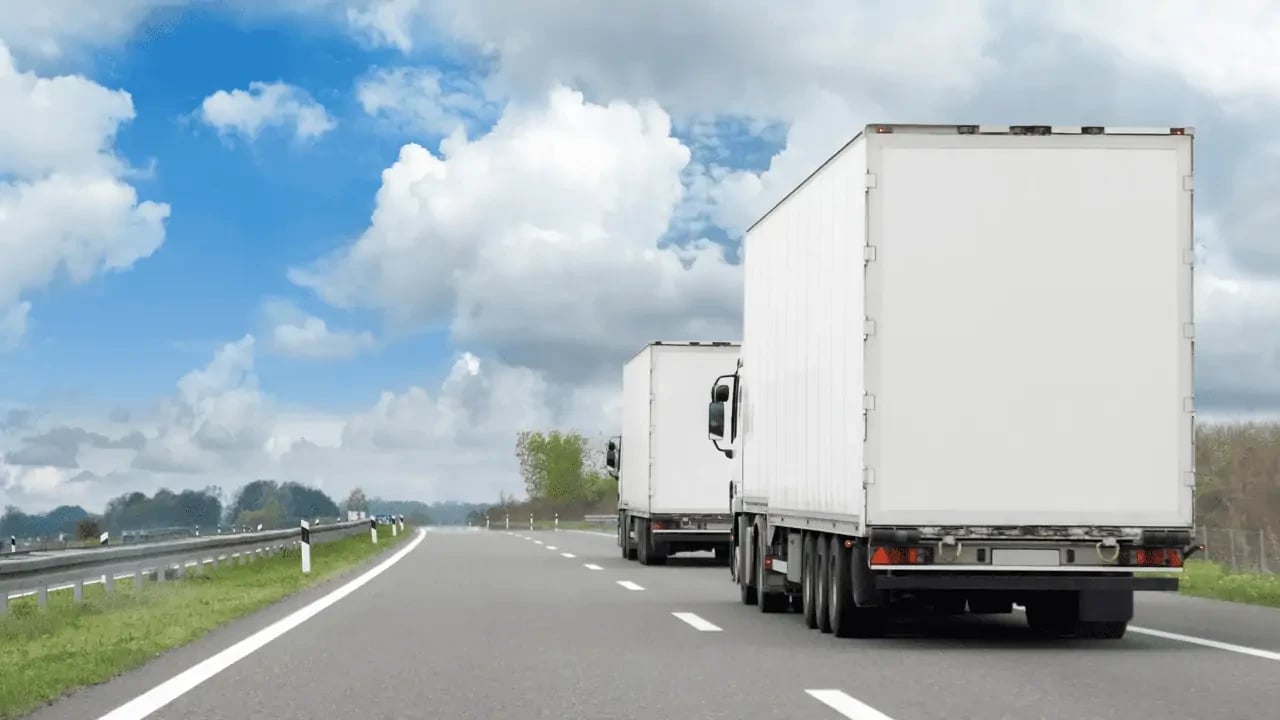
pixel 490 625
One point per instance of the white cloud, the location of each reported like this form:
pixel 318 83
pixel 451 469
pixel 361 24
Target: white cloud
pixel 266 105
pixel 422 99
pixel 297 334
pixel 219 428
pixel 49 28
pixel 64 211
pixel 1224 49
pixel 538 241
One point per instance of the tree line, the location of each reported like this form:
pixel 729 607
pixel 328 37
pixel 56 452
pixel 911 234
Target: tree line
pixel 268 503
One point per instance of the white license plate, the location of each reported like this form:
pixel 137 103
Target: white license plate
pixel 1018 556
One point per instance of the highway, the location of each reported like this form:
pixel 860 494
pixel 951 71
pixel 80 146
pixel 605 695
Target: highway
pixel 493 625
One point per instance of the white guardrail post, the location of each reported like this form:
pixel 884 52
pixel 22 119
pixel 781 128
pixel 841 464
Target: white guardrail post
pixel 557 522
pixel 373 530
pixel 306 548
pixel 530 522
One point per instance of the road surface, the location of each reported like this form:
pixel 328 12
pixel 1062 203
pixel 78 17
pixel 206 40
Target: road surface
pixel 493 625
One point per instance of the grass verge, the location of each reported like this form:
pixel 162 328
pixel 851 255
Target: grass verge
pixel 1211 580
pixel 47 653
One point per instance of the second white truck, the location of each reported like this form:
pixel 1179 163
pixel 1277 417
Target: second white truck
pixel 672 486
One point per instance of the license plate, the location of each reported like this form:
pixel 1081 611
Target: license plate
pixel 1019 556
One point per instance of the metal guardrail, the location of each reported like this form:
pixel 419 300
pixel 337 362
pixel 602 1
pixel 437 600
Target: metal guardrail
pixel 610 520
pixel 38 574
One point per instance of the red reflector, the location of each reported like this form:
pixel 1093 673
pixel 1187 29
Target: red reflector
pixel 1177 131
pixel 1157 557
pixel 768 562
pixel 899 556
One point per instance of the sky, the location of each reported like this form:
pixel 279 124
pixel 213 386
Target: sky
pixel 365 242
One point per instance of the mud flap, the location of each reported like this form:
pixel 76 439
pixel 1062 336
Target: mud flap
pixel 1106 606
pixel 865 593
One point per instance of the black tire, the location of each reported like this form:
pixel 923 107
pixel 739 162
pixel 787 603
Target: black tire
pixel 1102 630
pixel 847 619
pixel 623 533
pixel 742 560
pixel 769 602
pixel 809 582
pixel 822 564
pixel 840 590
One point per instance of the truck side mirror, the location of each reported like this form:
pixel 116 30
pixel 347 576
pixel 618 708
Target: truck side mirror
pixel 715 418
pixel 611 458
pixel 720 394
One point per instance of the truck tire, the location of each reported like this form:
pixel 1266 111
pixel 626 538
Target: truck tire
pixel 742 563
pixel 822 564
pixel 1101 630
pixel 847 619
pixel 809 582
pixel 657 551
pixel 624 534
pixel 769 602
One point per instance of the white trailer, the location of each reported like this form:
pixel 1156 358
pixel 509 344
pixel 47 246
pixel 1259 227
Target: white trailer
pixel 966 379
pixel 672 486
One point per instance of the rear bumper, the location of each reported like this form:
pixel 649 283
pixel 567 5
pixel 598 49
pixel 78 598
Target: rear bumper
pixel 1022 582
pixel 692 537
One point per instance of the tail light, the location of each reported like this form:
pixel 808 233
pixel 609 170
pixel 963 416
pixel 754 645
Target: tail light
pixel 901 556
pixel 1155 557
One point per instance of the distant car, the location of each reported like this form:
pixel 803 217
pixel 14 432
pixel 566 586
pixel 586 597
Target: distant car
pixel 385 519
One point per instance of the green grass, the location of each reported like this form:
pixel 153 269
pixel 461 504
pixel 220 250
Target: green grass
pixel 47 653
pixel 1210 580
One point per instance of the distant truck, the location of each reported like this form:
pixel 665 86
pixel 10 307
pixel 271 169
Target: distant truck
pixel 671 484
pixel 966 379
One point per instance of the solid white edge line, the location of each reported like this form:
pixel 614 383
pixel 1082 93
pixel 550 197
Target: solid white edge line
pixel 697 622
pixel 1193 640
pixel 568 555
pixel 629 585
pixel 592 566
pixel 1229 647
pixel 849 707
pixel 178 685
pixel 594 532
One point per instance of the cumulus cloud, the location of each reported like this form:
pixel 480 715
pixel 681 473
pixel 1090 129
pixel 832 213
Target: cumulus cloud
pixel 64 209
pixel 539 241
pixel 49 28
pixel 297 334
pixel 266 105
pixel 423 99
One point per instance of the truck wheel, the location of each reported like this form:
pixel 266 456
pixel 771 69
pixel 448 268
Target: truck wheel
pixel 624 533
pixel 847 619
pixel 1101 630
pixel 822 581
pixel 769 602
pixel 742 564
pixel 808 582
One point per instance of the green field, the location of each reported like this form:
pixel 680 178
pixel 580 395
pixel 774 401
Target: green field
pixel 1210 580
pixel 46 653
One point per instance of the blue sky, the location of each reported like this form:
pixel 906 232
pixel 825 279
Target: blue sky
pixel 244 212
pixel 375 304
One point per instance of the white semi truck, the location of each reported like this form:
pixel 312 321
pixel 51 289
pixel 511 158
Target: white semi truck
pixel 966 379
pixel 671 484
